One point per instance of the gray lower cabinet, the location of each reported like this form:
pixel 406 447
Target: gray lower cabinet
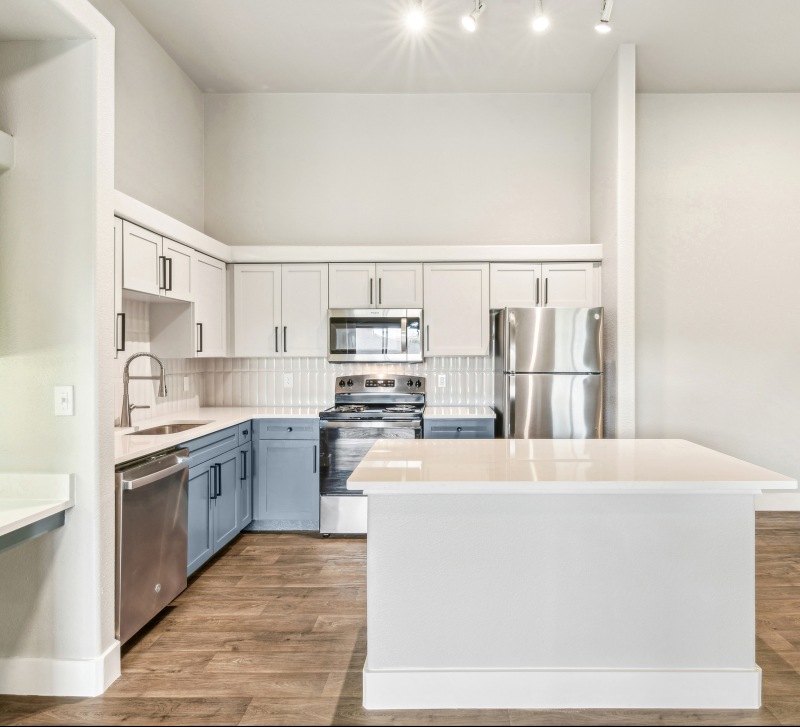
pixel 220 493
pixel 286 475
pixel 458 429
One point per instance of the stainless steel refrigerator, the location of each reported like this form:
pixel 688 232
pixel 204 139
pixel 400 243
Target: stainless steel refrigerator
pixel 549 373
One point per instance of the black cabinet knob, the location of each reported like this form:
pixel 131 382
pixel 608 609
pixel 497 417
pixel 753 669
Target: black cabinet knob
pixel 288 429
pixel 458 429
pixel 246 432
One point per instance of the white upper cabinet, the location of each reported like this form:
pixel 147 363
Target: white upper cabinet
pixel 370 285
pixel 555 285
pixel 399 285
pixel 141 259
pixel 156 265
pixel 210 301
pixel 304 309
pixel 456 313
pixel 177 275
pixel 256 310
pixel 119 316
pixel 351 285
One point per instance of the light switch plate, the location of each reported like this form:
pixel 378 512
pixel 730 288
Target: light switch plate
pixel 64 403
pixel 442 381
pixel 288 381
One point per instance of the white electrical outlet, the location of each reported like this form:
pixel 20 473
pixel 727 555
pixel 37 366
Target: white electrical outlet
pixel 288 381
pixel 442 381
pixel 186 383
pixel 64 404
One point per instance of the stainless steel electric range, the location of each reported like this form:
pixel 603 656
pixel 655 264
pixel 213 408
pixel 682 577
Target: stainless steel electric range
pixel 367 408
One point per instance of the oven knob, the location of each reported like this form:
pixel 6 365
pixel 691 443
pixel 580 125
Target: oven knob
pixel 349 382
pixel 341 383
pixel 418 384
pixel 409 383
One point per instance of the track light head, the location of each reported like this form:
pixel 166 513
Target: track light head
pixel 540 21
pixel 470 22
pixel 604 26
pixel 415 18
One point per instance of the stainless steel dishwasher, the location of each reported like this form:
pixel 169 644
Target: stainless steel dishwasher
pixel 152 514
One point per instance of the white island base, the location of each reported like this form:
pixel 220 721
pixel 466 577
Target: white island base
pixel 560 573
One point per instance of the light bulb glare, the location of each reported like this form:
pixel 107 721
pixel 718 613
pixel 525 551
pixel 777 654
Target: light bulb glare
pixel 603 27
pixel 415 20
pixel 541 23
pixel 469 23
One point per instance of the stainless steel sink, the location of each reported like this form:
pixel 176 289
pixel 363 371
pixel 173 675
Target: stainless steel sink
pixel 167 429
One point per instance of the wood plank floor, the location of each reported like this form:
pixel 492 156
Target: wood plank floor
pixel 273 632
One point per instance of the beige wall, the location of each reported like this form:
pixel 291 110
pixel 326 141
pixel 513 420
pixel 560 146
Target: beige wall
pixel 159 123
pixel 718 260
pixel 373 169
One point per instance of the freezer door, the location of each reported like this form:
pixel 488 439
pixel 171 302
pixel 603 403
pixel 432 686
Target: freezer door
pixel 553 406
pixel 552 340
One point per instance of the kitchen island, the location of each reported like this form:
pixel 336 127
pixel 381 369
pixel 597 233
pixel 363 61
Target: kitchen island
pixel 560 573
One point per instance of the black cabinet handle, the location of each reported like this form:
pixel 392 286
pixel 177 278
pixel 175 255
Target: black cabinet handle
pixel 219 479
pixel 284 339
pixel 276 339
pixel 314 470
pixel 246 432
pixel 537 291
pixel 199 338
pixel 370 291
pixel 380 292
pixel 213 470
pixel 244 464
pixel 545 290
pixel 120 331
pixel 169 259
pixel 162 273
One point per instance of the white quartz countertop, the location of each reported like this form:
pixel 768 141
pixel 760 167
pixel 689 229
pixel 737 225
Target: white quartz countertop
pixel 27 498
pixel 459 412
pixel 129 446
pixel 548 466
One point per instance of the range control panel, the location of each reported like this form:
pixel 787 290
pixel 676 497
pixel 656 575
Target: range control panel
pixel 378 384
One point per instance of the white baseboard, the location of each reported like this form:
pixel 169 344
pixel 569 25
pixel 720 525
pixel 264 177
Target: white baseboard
pixel 564 689
pixel 60 677
pixel 778 502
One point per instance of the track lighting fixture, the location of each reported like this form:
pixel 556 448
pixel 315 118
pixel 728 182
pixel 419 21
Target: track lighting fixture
pixel 540 21
pixel 415 18
pixel 604 26
pixel 470 22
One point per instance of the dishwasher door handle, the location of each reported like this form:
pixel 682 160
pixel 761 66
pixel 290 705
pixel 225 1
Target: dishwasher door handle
pixel 153 477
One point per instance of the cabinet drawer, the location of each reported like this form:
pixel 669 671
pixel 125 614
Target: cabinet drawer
pixel 245 433
pixel 458 429
pixel 205 448
pixel 288 429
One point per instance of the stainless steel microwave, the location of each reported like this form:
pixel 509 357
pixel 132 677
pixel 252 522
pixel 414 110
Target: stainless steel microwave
pixel 391 335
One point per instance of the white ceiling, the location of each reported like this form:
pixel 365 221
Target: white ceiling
pixel 362 46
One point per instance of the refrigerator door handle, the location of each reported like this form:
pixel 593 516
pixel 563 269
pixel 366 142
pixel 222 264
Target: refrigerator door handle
pixel 511 341
pixel 511 407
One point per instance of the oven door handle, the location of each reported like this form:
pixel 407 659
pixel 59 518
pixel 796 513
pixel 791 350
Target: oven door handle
pixel 371 424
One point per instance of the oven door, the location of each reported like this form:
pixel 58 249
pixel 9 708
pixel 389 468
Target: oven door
pixel 374 335
pixel 343 444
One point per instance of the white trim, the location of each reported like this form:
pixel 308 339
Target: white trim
pixel 60 677
pixel 564 689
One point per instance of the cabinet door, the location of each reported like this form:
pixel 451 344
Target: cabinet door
pixel 178 269
pixel 569 285
pixel 256 310
pixel 119 315
pixel 245 482
pixel 399 285
pixel 225 502
pixel 351 285
pixel 209 306
pixel 456 309
pixel 515 285
pixel 141 264
pixel 304 309
pixel 200 545
pixel 286 493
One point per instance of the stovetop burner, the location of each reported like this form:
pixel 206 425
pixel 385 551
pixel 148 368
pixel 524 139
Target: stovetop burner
pixel 400 409
pixel 350 408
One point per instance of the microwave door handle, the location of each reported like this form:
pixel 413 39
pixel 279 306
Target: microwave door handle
pixel 404 335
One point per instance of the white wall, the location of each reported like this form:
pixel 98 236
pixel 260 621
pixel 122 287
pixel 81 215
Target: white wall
pixel 718 266
pixel 612 223
pixel 159 122
pixel 333 169
pixel 56 288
